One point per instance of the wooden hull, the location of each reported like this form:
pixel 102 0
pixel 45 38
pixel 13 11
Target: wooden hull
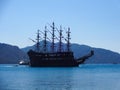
pixel 58 59
pixel 64 59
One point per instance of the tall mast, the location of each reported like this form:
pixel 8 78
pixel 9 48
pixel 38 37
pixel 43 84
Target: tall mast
pixel 45 39
pixel 53 37
pixel 38 43
pixel 68 40
pixel 60 41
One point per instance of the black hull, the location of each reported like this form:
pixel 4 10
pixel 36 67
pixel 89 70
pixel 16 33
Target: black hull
pixel 53 63
pixel 64 59
pixel 58 59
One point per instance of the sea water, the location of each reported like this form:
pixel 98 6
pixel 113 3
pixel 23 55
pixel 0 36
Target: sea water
pixel 84 77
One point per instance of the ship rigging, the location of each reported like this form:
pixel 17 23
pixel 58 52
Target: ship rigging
pixel 58 56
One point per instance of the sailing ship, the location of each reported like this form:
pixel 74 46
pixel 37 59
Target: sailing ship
pixel 41 57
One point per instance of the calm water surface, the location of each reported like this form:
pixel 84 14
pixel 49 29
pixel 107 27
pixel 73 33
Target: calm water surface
pixel 84 77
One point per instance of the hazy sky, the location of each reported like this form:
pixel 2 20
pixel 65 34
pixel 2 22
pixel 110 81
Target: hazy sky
pixel 93 22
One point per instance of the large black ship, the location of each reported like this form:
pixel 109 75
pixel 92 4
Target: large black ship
pixel 60 57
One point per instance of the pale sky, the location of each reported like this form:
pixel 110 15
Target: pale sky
pixel 93 22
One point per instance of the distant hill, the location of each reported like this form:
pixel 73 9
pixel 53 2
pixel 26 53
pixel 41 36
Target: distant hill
pixel 102 56
pixel 11 54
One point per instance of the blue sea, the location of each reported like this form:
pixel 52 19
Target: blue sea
pixel 84 77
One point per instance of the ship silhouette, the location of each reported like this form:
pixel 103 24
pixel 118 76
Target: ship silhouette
pixel 57 56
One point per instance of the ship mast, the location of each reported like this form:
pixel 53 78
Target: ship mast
pixel 38 43
pixel 60 41
pixel 68 40
pixel 45 39
pixel 53 37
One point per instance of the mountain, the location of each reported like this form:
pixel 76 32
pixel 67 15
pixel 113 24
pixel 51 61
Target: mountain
pixel 11 54
pixel 101 56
